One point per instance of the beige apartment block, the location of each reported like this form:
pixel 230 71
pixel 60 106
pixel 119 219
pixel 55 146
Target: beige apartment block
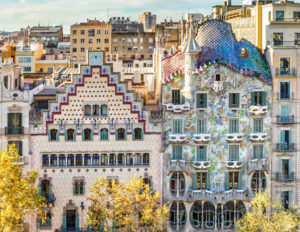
pixel 91 35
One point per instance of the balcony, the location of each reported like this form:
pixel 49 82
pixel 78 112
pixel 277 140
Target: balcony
pixel 234 137
pixel 284 43
pixel 177 166
pixel 16 130
pixel 201 165
pixel 285 21
pixel 50 198
pixel 218 86
pixel 282 147
pixel 285 73
pixel 177 138
pixel 257 165
pixel 284 96
pixel 285 119
pixel 178 108
pixel 201 138
pixel 258 137
pixel 278 176
pixel 233 164
pixel 258 110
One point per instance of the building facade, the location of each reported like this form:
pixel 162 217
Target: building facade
pixel 87 36
pixel 148 20
pixel 97 128
pixel 217 129
pixel 52 63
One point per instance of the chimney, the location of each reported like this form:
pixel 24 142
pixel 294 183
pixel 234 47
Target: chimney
pixel 229 2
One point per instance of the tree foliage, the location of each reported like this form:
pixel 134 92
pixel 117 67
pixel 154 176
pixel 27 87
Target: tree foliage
pixel 266 216
pixel 18 194
pixel 132 207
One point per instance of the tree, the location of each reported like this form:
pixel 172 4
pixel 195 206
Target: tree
pixel 18 194
pixel 132 207
pixel 266 216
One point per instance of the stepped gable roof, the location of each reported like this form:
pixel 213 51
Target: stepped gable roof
pixel 218 44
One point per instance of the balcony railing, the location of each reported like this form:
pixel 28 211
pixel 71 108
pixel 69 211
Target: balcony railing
pixel 285 119
pixel 284 43
pixel 290 20
pixel 285 96
pixel 16 130
pixel 285 147
pixel 284 176
pixel 289 72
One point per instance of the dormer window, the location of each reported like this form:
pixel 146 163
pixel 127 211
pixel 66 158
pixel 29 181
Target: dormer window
pixel 218 77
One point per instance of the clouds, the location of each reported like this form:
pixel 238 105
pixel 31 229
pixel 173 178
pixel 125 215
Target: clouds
pixel 17 14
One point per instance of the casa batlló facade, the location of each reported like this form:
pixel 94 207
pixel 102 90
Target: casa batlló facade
pixel 97 128
pixel 217 129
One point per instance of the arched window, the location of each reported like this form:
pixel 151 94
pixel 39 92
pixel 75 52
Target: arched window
pixel 87 134
pixel 78 160
pixel 112 159
pixel 87 160
pixel 218 77
pixel 209 215
pixel 177 215
pixel 240 210
pixel 121 161
pixel 228 212
pixel 121 134
pixel 258 181
pixel 219 216
pixel 104 160
pixel 62 160
pixel 53 160
pixel 70 160
pixel 104 134
pixel 146 159
pixel 87 110
pixel 53 135
pixel 96 160
pixel 70 135
pixel 104 110
pixel 96 110
pixel 177 183
pixel 137 134
pixel 45 160
pixel 196 215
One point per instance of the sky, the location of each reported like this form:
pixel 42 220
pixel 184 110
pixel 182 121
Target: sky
pixel 16 14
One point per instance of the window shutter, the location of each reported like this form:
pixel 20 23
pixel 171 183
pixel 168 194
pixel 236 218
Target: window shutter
pixel 83 189
pixel 64 223
pixel 19 119
pixel 66 136
pixel 182 99
pixel 240 181
pixel 92 135
pixel 40 190
pixel 237 100
pixel 74 135
pixel 264 98
pixel 226 183
pixel 142 134
pixel 57 135
pixel 50 192
pixel 290 197
pixel 82 135
pixel 205 100
pixel 281 137
pixel 49 135
pixel 208 180
pixel 10 119
pixel 133 134
pixel 290 137
pixel 289 89
pixel 290 167
pixel 76 223
pixel 252 99
pixel 198 100
pixel 125 134
pixel 230 100
pixel 20 148
pixel 74 189
pixel 117 137
pixel 280 166
pixel 194 181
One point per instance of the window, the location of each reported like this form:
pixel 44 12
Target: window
pixel 82 32
pixel 82 58
pixel 14 123
pixel 27 69
pixel 228 213
pixel 74 59
pixel 233 126
pixel 74 41
pixel 96 160
pixel 177 184
pixel 201 180
pixel 70 160
pixel 201 100
pixel 258 125
pixel 78 160
pixel 129 159
pixel 18 145
pixel 106 40
pixel 106 32
pixel 129 48
pixel 285 90
pixel 177 126
pixel 45 161
pixel 120 159
pixel 47 222
pixel 98 41
pixel 285 169
pixel 74 32
pixel 6 82
pixel 297 38
pixel 285 65
pixel 146 159
pixel 258 181
pixel 74 49
pixel 196 215
pixel 82 41
pixel 87 160
pixel 53 135
pixel 91 32
pixel 53 161
pixel 286 197
pixel 115 48
pixel 208 215
pixel 285 140
pixel 104 160
pixel 24 59
pixel 82 49
pixel 279 15
pixel 104 110
pixel 177 152
pixel 62 160
pixel 90 41
pixel 70 135
pixel 98 32
pixel 96 110
pixel 87 135
pixel 78 187
pixel 240 210
pixel 112 159
pixel 177 215
pixel 176 96
pixel 233 180
pixel 258 151
pixel 50 70
pixel 104 134
pixel 201 126
pixel 234 100
pixel 218 77
pixel 234 152
pixel 201 153
pixel 137 134
pixel 278 39
pixel 87 110
pixel 258 98
pixel 121 134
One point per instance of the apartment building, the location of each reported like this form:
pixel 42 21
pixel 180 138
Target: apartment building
pixel 148 20
pixel 50 36
pixel 217 129
pixel 87 36
pixel 96 128
pixel 52 63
